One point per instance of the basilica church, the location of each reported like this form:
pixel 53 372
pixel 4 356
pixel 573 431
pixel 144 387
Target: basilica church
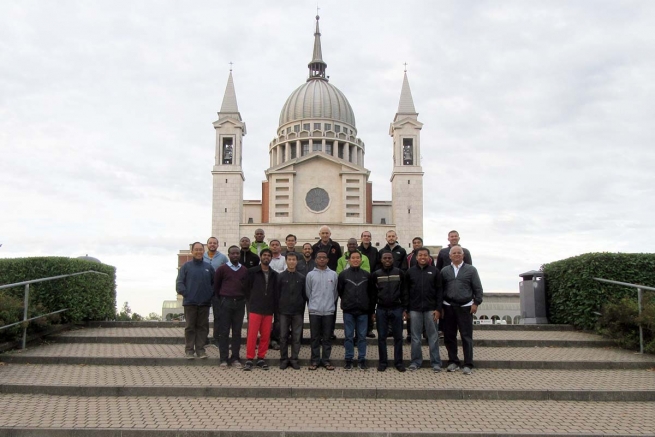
pixel 317 173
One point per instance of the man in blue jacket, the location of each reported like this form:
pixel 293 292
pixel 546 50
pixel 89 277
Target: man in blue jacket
pixel 195 281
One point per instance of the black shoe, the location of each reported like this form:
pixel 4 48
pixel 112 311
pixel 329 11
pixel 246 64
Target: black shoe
pixel 348 366
pixel 382 368
pixel 262 364
pixel 400 368
pixel 370 334
pixel 284 364
pixel 248 366
pixel 295 365
pixel 333 337
pixel 362 366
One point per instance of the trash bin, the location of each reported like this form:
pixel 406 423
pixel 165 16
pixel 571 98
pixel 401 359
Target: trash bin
pixel 533 298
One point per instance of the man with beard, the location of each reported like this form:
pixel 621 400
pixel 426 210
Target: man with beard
pixel 260 289
pixel 305 262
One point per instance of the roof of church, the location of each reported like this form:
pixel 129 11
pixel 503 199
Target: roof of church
pixel 317 98
pixel 230 98
pixel 406 104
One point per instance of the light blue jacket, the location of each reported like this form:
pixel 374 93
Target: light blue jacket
pixel 218 260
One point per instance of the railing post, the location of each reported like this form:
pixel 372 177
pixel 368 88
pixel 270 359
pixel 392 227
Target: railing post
pixel 25 305
pixel 641 328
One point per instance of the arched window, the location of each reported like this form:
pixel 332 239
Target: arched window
pixel 517 320
pixel 508 319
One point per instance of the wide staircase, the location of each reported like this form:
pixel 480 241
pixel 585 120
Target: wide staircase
pixel 131 379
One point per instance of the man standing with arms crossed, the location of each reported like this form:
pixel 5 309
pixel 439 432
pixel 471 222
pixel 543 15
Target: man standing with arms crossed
pixel 321 288
pixel 228 289
pixel 462 293
pixel 390 296
pixel 194 282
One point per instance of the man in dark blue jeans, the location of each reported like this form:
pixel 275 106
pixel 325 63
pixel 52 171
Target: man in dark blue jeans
pixel 390 297
pixel 228 289
pixel 354 289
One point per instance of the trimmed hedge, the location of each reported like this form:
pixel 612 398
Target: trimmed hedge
pixel 574 297
pixel 88 297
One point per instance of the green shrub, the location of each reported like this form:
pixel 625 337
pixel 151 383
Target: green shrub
pixel 574 297
pixel 87 297
pixel 620 321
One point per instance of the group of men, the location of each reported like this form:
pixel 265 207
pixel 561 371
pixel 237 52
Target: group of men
pixel 275 285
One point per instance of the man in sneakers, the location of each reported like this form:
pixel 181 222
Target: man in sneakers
pixel 194 283
pixel 390 297
pixel 228 289
pixel 291 299
pixel 462 293
pixel 425 302
pixel 260 290
pixel 399 260
pixel 354 289
pixel 321 288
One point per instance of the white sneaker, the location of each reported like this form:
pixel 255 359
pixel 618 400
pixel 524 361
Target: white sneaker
pixel 467 370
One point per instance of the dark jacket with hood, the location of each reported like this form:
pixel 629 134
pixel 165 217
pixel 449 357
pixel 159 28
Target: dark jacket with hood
pixel 399 256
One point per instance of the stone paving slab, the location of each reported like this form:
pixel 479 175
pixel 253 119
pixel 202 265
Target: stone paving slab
pixel 582 385
pixel 485 357
pixel 327 416
pixel 483 338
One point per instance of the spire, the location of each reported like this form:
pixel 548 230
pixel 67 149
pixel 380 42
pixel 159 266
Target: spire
pixel 406 104
pixel 317 66
pixel 229 105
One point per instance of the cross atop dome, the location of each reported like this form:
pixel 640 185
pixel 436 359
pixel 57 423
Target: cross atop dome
pixel 317 66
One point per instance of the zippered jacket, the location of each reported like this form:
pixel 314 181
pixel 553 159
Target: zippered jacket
pixel 321 289
pixel 461 289
pixel 424 287
pixel 195 282
pixel 355 290
pixel 399 256
pixel 291 295
pixel 389 290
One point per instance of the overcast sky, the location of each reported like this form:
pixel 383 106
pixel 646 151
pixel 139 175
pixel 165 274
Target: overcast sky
pixel 538 137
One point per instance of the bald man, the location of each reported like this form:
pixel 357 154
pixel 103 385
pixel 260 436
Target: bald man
pixel 328 246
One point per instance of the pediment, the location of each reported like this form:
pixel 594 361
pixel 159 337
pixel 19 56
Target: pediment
pixel 227 120
pixel 408 120
pixel 295 165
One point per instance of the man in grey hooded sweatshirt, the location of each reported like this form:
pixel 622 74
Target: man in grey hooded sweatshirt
pixel 321 288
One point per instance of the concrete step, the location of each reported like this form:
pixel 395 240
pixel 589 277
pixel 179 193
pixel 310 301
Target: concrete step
pixel 485 357
pixel 488 338
pixel 177 381
pixel 109 416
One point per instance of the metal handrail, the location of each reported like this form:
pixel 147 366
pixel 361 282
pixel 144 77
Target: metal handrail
pixel 26 300
pixel 639 299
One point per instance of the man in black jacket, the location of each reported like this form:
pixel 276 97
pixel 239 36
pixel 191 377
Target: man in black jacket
pixel 328 246
pixel 399 260
pixel 354 289
pixel 443 258
pixel 291 298
pixel 462 293
pixel 371 252
pixel 247 258
pixel 425 306
pixel 260 287
pixel 390 297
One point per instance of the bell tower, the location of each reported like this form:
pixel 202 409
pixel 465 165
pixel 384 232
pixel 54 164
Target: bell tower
pixel 407 175
pixel 227 195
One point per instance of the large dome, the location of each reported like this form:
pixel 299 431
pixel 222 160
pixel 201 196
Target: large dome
pixel 317 98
